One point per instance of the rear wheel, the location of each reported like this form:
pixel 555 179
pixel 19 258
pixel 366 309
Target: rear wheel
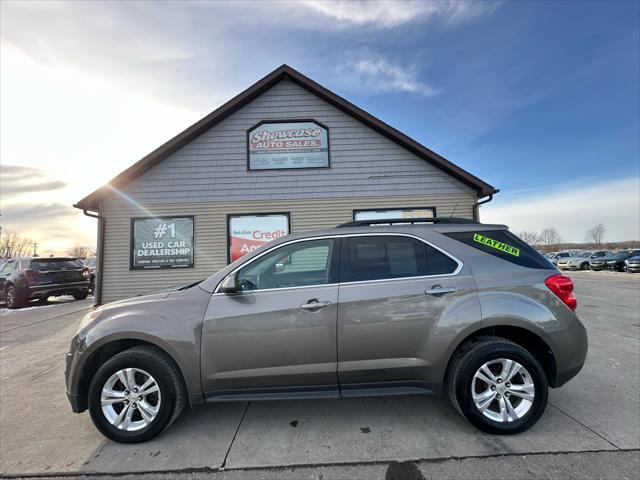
pixel 80 295
pixel 135 395
pixel 14 298
pixel 584 266
pixel 498 386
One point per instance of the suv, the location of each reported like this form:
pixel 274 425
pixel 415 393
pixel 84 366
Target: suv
pixel 25 279
pixel 359 310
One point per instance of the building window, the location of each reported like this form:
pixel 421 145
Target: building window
pixel 162 243
pixel 247 232
pixel 400 213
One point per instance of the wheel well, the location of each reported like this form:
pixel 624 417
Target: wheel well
pixel 104 353
pixel 528 340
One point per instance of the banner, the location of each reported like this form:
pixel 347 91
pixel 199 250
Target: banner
pixel 162 242
pixel 274 145
pixel 248 232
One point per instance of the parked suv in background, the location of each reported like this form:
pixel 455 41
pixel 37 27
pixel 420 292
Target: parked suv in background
pixel 633 264
pixel 580 260
pixel 359 310
pixel 25 279
pixel 554 257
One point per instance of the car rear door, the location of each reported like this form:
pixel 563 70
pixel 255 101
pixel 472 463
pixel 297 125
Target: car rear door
pixel 394 292
pixel 278 336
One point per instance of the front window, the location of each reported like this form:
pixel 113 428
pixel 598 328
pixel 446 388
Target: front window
pixel 298 264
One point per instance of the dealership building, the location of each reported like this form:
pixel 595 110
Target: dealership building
pixel 286 155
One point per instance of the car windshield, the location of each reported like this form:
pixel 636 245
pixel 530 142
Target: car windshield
pixel 55 264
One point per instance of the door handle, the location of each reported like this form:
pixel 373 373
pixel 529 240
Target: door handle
pixel 437 290
pixel 314 305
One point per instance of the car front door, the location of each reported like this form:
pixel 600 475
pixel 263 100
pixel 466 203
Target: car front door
pixel 277 336
pixel 395 291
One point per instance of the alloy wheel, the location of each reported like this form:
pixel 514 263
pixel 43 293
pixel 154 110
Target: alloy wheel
pixel 130 399
pixel 503 390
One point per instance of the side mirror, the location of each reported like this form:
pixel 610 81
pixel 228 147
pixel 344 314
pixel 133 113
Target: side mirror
pixel 230 284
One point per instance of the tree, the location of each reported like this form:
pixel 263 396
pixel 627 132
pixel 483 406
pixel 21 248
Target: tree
pixel 550 236
pixel 13 245
pixel 530 237
pixel 80 251
pixel 596 234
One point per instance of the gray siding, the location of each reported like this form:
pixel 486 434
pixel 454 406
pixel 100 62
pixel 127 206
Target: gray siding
pixel 213 167
pixel 211 232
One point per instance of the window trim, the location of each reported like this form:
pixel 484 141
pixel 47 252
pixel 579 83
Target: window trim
pixel 460 264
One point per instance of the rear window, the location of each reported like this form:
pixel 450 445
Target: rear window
pixel 44 265
pixel 505 245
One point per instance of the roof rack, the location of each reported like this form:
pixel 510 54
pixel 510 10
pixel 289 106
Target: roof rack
pixel 379 221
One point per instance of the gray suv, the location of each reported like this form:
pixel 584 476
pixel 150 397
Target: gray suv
pixel 363 309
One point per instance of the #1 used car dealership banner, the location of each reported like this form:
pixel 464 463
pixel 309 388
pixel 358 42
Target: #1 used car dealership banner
pixel 274 145
pixel 248 232
pixel 162 242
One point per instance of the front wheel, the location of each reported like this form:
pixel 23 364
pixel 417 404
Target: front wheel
pixel 81 295
pixel 135 395
pixel 498 386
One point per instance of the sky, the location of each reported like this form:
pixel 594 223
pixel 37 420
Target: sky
pixel 539 99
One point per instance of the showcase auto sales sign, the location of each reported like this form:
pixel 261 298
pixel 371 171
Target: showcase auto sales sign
pixel 274 145
pixel 249 232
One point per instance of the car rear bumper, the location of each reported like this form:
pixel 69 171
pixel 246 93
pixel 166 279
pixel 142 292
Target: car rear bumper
pixel 50 290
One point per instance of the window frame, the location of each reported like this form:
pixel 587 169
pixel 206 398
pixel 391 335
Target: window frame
pixel 336 258
pixel 332 265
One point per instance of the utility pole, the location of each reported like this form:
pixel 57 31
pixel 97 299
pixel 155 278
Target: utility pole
pixel 35 245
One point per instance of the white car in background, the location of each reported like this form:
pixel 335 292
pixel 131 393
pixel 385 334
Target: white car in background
pixel 580 260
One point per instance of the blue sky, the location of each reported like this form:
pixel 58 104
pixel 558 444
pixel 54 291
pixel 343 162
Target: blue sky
pixel 540 99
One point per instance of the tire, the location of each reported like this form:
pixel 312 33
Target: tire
pixel 14 298
pixel 584 266
pixel 461 382
pixel 170 397
pixel 81 295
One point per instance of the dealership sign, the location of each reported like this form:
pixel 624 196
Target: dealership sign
pixel 248 232
pixel 162 242
pixel 274 145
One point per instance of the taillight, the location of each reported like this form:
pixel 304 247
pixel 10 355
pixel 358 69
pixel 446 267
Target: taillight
pixel 562 287
pixel 86 273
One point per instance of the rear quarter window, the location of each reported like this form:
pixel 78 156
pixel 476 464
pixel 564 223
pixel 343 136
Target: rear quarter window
pixel 505 245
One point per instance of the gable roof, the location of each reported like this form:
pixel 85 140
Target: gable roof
pixel 284 72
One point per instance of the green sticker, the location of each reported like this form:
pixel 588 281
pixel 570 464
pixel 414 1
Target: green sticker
pixel 490 242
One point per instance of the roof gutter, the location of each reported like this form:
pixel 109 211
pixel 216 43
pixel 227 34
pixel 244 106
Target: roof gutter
pixel 476 207
pixel 97 294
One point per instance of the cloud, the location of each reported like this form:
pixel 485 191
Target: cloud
pixel 16 180
pixel 572 209
pixel 372 72
pixel 393 13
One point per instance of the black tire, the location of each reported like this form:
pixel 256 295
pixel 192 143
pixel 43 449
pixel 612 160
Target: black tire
pixel 584 266
pixel 168 378
pixel 81 295
pixel 467 362
pixel 14 298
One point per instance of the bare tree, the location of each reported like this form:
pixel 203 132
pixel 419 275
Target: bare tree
pixel 596 234
pixel 550 236
pixel 529 237
pixel 13 245
pixel 80 251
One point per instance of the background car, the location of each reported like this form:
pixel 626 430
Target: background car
pixel 553 257
pixel 90 263
pixel 614 261
pixel 25 279
pixel 580 260
pixel 633 264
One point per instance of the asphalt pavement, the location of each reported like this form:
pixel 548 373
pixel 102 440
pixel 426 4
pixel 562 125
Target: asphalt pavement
pixel 591 428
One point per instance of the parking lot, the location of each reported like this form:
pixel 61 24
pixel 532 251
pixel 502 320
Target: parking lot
pixel 590 428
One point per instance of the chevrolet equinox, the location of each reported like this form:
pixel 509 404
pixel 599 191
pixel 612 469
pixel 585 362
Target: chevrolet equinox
pixel 369 308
